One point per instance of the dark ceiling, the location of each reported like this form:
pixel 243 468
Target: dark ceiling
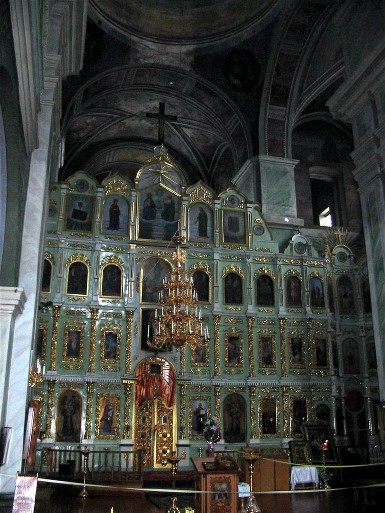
pixel 206 60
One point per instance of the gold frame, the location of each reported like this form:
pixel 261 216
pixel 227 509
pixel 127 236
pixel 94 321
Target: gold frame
pixel 261 363
pixel 73 362
pixel 236 333
pixel 110 328
pixel 78 257
pixel 290 336
pixel 198 399
pixel 245 231
pixel 189 224
pixel 200 266
pixel 101 404
pixel 44 328
pixel 115 195
pixel 112 260
pixel 146 262
pixel 315 337
pixel 49 259
pixel 205 360
pixel 276 414
pixel 291 415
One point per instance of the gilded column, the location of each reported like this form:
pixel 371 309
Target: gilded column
pixel 217 367
pixel 129 317
pixel 182 369
pixel 282 325
pixel 90 395
pixel 128 384
pixel 250 337
pixel 286 412
pixel 51 392
pixel 94 318
pixel 182 410
pixel 55 326
pixel 217 410
pixel 253 412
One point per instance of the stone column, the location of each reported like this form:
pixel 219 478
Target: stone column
pixel 360 101
pixel 12 301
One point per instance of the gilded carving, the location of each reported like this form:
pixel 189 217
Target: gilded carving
pixel 232 268
pixel 200 195
pixel 51 392
pixel 94 318
pixel 282 327
pixel 217 320
pixel 128 386
pixel 253 412
pixel 90 394
pixel 262 260
pixel 264 270
pixel 54 341
pixel 128 345
pixel 250 338
pixel 116 185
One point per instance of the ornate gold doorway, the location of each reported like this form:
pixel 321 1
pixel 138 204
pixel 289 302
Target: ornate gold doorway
pixel 154 415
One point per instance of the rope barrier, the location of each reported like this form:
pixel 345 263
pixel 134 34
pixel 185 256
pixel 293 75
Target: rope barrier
pixel 175 491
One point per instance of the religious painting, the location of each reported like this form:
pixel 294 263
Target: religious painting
pixel 321 444
pixel 322 413
pixel 107 416
pixel 47 276
pixel 266 352
pixel 380 409
pixel 321 352
pixel 233 350
pixel 110 345
pixel 147 327
pixel 200 355
pixel 234 227
pixel 298 415
pixel 317 299
pixel 115 215
pixel 297 358
pixel 68 417
pixel 154 270
pixel 298 452
pixel 351 356
pixel 233 289
pixel 111 282
pixel 345 295
pixel 234 419
pixel 200 223
pixel 268 416
pixel 293 291
pixel 158 214
pixel 77 279
pixel 371 356
pixel 79 212
pixel 41 341
pixel 201 282
pixel 73 344
pixel 265 290
pixel 198 416
pixel 219 500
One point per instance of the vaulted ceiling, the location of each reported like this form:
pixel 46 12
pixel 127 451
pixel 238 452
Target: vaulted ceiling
pixel 223 69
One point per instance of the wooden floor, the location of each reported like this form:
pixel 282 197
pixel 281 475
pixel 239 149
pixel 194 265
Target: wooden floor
pixel 352 500
pixel 358 496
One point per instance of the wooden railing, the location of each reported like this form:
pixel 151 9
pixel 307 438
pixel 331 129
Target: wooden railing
pixel 100 464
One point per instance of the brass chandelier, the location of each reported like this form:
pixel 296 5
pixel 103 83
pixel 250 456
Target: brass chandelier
pixel 179 320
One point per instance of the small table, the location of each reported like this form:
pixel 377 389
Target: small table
pixel 302 475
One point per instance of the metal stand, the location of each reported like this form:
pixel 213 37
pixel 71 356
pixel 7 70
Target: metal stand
pixel 251 506
pixel 85 453
pixel 174 459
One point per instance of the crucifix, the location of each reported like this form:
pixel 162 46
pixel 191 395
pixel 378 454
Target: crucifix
pixel 162 118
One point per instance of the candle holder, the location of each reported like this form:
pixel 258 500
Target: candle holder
pixel 173 508
pixel 251 505
pixel 174 459
pixel 324 473
pixel 84 451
